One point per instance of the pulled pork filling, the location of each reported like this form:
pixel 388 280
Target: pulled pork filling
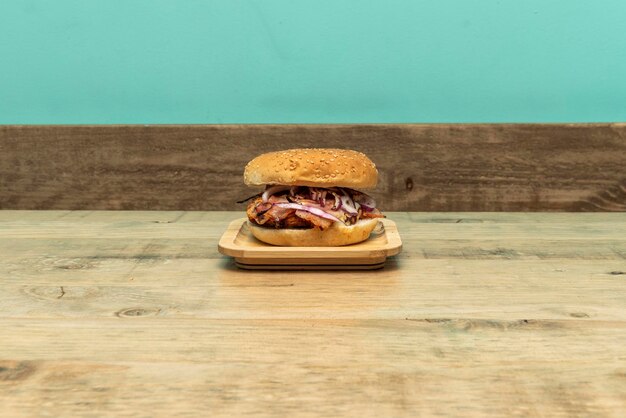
pixel 310 207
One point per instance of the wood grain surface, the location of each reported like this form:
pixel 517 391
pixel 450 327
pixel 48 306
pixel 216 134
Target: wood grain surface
pixel 423 167
pixel 137 314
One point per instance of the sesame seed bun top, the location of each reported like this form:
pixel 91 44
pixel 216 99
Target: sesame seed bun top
pixel 314 167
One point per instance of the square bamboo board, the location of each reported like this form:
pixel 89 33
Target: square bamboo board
pixel 250 253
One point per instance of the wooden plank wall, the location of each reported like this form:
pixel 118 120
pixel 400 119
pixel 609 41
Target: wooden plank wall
pixel 446 167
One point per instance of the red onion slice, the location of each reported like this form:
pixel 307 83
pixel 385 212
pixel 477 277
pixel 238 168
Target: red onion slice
pixel 274 189
pixel 347 205
pixel 314 211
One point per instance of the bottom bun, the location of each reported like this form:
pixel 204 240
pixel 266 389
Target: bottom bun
pixel 338 234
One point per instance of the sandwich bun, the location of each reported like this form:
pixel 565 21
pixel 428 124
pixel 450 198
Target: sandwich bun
pixel 336 235
pixel 313 167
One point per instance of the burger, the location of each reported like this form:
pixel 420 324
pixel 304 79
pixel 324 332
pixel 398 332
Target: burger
pixel 312 197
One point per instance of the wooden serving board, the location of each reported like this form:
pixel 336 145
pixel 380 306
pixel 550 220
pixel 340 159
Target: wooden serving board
pixel 250 253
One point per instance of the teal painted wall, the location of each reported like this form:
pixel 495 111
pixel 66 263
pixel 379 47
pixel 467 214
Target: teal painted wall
pixel 284 61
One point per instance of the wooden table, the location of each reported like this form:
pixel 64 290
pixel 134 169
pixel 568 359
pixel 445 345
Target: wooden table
pixel 137 314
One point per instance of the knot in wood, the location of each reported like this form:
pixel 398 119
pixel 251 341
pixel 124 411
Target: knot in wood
pixel 134 312
pixel 408 183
